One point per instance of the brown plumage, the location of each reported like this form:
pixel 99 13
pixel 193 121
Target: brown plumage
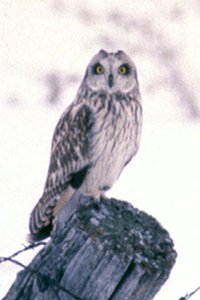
pixel 94 139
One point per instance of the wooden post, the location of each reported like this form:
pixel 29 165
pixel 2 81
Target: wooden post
pixel 106 250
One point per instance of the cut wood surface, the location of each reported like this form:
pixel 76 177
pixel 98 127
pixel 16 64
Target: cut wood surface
pixel 99 250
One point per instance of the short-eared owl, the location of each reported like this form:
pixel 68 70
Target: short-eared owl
pixel 97 135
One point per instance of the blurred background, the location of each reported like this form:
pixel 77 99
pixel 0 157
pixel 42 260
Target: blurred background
pixel 45 46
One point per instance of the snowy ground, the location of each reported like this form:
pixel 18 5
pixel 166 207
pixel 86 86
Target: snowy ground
pixel 41 40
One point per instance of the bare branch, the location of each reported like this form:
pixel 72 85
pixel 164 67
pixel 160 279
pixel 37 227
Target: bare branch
pixel 31 246
pixel 187 296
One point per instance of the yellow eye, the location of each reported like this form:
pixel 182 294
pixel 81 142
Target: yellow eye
pixel 99 69
pixel 123 70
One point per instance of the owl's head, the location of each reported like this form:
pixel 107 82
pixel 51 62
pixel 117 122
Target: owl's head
pixel 111 73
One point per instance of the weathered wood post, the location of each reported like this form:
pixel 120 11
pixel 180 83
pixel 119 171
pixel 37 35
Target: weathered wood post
pixel 104 250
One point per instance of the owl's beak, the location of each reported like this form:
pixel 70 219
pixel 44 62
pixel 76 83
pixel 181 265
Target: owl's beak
pixel 110 80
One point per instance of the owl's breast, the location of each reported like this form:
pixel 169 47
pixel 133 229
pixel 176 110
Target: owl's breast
pixel 114 144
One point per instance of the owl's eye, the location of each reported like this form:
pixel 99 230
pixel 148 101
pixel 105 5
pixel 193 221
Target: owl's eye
pixel 99 69
pixel 123 70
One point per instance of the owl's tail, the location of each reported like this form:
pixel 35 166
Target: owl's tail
pixel 40 224
pixel 43 214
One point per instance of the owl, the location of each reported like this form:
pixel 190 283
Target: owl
pixel 95 138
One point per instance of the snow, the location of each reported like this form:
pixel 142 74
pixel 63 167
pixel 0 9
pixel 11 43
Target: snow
pixel 47 37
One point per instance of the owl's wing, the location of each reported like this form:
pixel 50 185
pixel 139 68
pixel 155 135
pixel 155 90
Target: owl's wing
pixel 71 148
pixel 69 162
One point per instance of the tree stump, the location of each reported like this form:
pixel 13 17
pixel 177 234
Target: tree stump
pixel 99 250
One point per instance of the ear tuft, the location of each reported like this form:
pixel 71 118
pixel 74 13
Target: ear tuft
pixel 104 53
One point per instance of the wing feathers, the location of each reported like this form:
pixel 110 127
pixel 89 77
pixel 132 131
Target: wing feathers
pixel 77 178
pixel 69 164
